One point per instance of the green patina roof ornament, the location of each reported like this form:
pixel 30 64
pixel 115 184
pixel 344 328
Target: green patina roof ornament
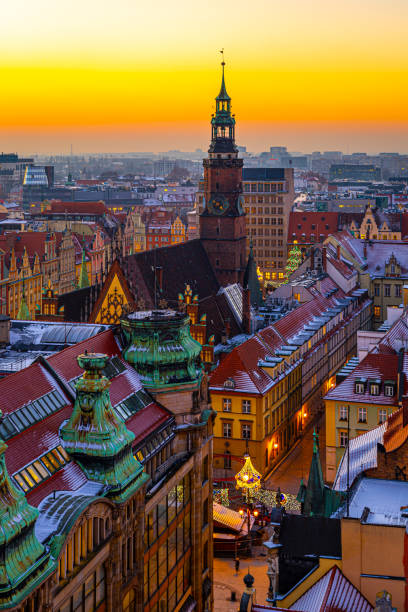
pixel 83 275
pixel 161 348
pixel 98 439
pixel 23 312
pixel 316 497
pixel 251 280
pixel 24 562
pixel 223 91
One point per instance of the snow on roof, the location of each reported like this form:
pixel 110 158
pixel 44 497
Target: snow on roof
pixel 386 501
pixel 332 592
pixel 363 456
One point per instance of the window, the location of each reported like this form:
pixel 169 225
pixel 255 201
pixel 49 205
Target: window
pixel 227 460
pixel 377 290
pixel 359 388
pixel 226 404
pixel 227 430
pixel 387 290
pixel 205 469
pixel 266 457
pixel 374 389
pixel 389 390
pixel 266 421
pixel 343 439
pixel 246 406
pixel 89 595
pixel 382 415
pixel 397 290
pixel 362 414
pixel 205 513
pixel 377 311
pixel 343 411
pixel 246 431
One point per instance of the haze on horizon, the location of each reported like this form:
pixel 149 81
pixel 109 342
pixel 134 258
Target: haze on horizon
pixel 119 76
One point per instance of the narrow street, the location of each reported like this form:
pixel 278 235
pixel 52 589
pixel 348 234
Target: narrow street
pixel 296 464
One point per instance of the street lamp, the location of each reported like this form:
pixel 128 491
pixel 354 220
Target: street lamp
pixel 248 478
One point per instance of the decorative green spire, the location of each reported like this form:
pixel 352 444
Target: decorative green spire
pixel 251 280
pixel 23 312
pixel 96 438
pixel 223 91
pixel 161 349
pixel 317 498
pixel 21 554
pixel 83 276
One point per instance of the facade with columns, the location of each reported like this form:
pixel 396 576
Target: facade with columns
pixel 106 483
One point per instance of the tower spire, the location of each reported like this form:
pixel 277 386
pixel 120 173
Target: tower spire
pixel 223 91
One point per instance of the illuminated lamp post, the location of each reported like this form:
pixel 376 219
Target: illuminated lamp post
pixel 248 479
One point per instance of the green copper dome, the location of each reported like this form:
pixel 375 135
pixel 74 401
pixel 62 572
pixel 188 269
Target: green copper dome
pixel 161 349
pixel 98 439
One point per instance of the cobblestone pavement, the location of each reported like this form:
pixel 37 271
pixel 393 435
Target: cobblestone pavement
pixel 296 464
pixel 226 581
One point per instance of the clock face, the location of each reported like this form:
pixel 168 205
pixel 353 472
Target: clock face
pixel 218 204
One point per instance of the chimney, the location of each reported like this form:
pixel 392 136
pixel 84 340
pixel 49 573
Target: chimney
pixel 312 258
pixel 338 249
pixel 246 311
pixel 324 259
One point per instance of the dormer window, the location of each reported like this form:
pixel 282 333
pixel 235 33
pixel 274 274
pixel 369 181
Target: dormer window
pixel 359 387
pixel 229 384
pixel 374 389
pixel 389 389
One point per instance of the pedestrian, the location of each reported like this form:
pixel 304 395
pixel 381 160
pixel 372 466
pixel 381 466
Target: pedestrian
pixel 236 565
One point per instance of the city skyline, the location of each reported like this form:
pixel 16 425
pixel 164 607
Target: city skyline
pixel 116 78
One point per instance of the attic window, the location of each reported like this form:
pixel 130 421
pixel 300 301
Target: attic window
pixel 374 388
pixel 229 384
pixel 359 387
pixel 389 389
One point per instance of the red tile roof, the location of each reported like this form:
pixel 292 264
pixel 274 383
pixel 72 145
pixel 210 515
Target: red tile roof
pixel 22 387
pixel 373 366
pixel 303 226
pixel 77 208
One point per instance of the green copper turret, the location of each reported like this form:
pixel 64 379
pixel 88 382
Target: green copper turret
pixel 161 349
pixel 24 562
pixel 96 438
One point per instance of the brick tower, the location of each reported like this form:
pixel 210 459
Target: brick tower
pixel 222 222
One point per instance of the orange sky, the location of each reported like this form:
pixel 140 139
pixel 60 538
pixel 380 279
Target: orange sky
pixel 125 77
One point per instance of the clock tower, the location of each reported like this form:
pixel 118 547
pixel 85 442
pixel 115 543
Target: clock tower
pixel 222 222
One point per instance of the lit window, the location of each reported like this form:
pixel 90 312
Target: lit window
pixel 226 404
pixel 374 389
pixel 359 388
pixel 377 311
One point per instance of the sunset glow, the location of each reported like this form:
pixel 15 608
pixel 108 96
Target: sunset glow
pixel 129 76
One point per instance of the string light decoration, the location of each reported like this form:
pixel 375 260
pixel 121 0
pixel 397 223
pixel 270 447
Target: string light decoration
pixel 221 497
pixel 294 260
pixel 248 477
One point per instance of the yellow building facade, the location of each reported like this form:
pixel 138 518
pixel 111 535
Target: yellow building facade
pixel 177 231
pixel 266 423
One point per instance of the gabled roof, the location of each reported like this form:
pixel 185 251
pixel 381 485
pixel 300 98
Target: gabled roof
pixel 115 270
pixel 332 593
pixel 310 226
pixel 76 208
pixel 374 366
